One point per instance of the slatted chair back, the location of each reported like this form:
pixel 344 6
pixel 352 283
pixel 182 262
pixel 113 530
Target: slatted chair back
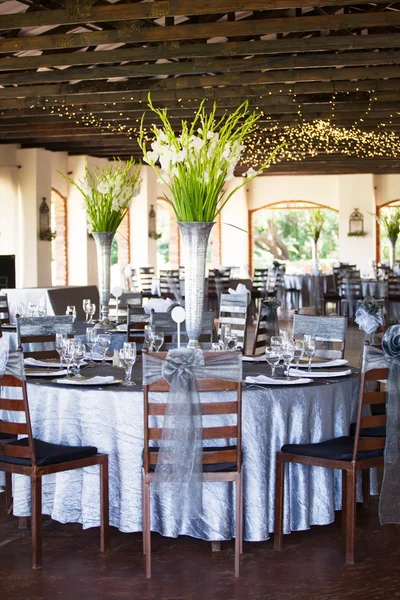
pixel 233 311
pixel 326 330
pixel 262 334
pixel 4 311
pixel 276 281
pixel 135 332
pixel 170 284
pixel 362 441
pixel 393 286
pixel 131 299
pixel 146 280
pixel 218 282
pixel 260 281
pixel 350 285
pixel 163 321
pixel 15 403
pixel 233 406
pixel 37 335
pixel 136 314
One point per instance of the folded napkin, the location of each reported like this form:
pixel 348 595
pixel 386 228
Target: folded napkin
pixel 338 362
pixel 97 380
pixel 32 362
pixel 158 304
pixel 49 373
pixel 314 374
pixel 240 289
pixel 254 358
pixel 263 379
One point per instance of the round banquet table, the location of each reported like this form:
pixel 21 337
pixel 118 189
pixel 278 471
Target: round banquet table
pixel 111 418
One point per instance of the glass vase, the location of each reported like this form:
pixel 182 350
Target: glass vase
pixel 104 241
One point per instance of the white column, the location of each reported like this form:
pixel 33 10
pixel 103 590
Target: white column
pixel 357 191
pixel 143 248
pixel 235 243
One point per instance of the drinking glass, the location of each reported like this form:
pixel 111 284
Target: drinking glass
pixel 149 332
pixel 21 309
pixel 215 347
pixel 41 310
pixel 226 334
pixel 71 310
pixel 86 307
pixel 127 356
pixel 158 340
pixel 91 311
pixel 32 309
pixel 69 354
pixel 91 339
pixel 79 356
pixel 103 342
pixel 276 340
pixel 298 352
pixel 287 355
pixel 309 348
pixel 233 342
pixel 61 339
pixel 273 356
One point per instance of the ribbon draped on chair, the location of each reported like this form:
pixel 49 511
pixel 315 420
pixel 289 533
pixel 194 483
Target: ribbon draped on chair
pixel 11 363
pixel 179 470
pixel 389 357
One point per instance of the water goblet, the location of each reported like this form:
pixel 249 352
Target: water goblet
pixel 71 311
pixel 86 302
pixel 91 340
pixel 273 356
pixel 215 347
pixel 226 334
pixel 69 354
pixel 127 356
pixel 149 332
pixel 298 352
pixel 287 356
pixel 41 310
pixel 20 309
pixel 61 338
pixel 233 342
pixel 79 356
pixel 309 348
pixel 91 312
pixel 32 309
pixel 104 341
pixel 276 340
pixel 158 340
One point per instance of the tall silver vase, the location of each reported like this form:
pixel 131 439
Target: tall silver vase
pixel 392 251
pixel 104 241
pixel 195 240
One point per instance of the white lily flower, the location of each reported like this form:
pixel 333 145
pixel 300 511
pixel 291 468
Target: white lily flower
pixel 250 172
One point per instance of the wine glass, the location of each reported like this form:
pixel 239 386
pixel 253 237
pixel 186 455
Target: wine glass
pixel 86 302
pixel 273 356
pixel 298 351
pixel 149 332
pixel 20 309
pixel 127 356
pixel 71 310
pixel 276 340
pixel 226 334
pixel 61 338
pixel 309 348
pixel 233 342
pixel 91 339
pixel 79 356
pixel 32 309
pixel 41 310
pixel 287 356
pixel 158 340
pixel 104 341
pixel 91 311
pixel 69 354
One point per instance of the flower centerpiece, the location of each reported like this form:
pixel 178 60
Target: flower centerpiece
pixel 107 195
pixel 390 224
pixel 196 163
pixel 315 227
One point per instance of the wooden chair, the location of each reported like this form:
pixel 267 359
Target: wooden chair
pixel 351 292
pixel 327 332
pixel 219 463
pixel 35 458
pixel 217 284
pixel 349 454
pixel 37 335
pixel 4 311
pixel 233 311
pixel 261 334
pixel 393 296
pixel 170 284
pixel 146 281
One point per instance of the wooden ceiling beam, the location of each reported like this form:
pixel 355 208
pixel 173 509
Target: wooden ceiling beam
pixel 131 12
pixel 136 34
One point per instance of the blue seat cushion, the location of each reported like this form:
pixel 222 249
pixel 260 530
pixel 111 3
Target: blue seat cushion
pixel 49 454
pixel 340 448
pixel 227 467
pixel 369 431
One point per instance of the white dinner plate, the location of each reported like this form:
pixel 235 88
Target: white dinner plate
pixel 264 380
pixel 47 373
pixel 322 374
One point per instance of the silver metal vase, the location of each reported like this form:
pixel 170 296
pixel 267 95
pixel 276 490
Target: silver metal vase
pixel 104 241
pixel 195 240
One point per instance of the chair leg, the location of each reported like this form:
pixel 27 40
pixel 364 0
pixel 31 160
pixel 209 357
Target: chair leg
pixel 365 487
pixel 351 516
pixel 9 496
pixel 279 504
pixel 146 529
pixel 241 511
pixel 143 513
pixel 104 506
pixel 36 491
pixel 344 500
pixel 237 523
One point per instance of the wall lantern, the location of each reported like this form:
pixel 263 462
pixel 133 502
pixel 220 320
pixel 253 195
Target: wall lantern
pixel 356 224
pixel 153 225
pixel 45 233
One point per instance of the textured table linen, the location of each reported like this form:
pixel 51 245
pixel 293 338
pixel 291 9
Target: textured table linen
pixel 112 419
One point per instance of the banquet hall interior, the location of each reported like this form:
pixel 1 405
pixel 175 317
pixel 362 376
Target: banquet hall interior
pixel 199 299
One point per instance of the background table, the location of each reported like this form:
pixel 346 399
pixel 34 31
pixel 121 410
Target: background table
pixel 111 418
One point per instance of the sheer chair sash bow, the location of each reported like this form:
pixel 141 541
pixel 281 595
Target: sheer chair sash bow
pixel 389 357
pixel 11 363
pixel 179 471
